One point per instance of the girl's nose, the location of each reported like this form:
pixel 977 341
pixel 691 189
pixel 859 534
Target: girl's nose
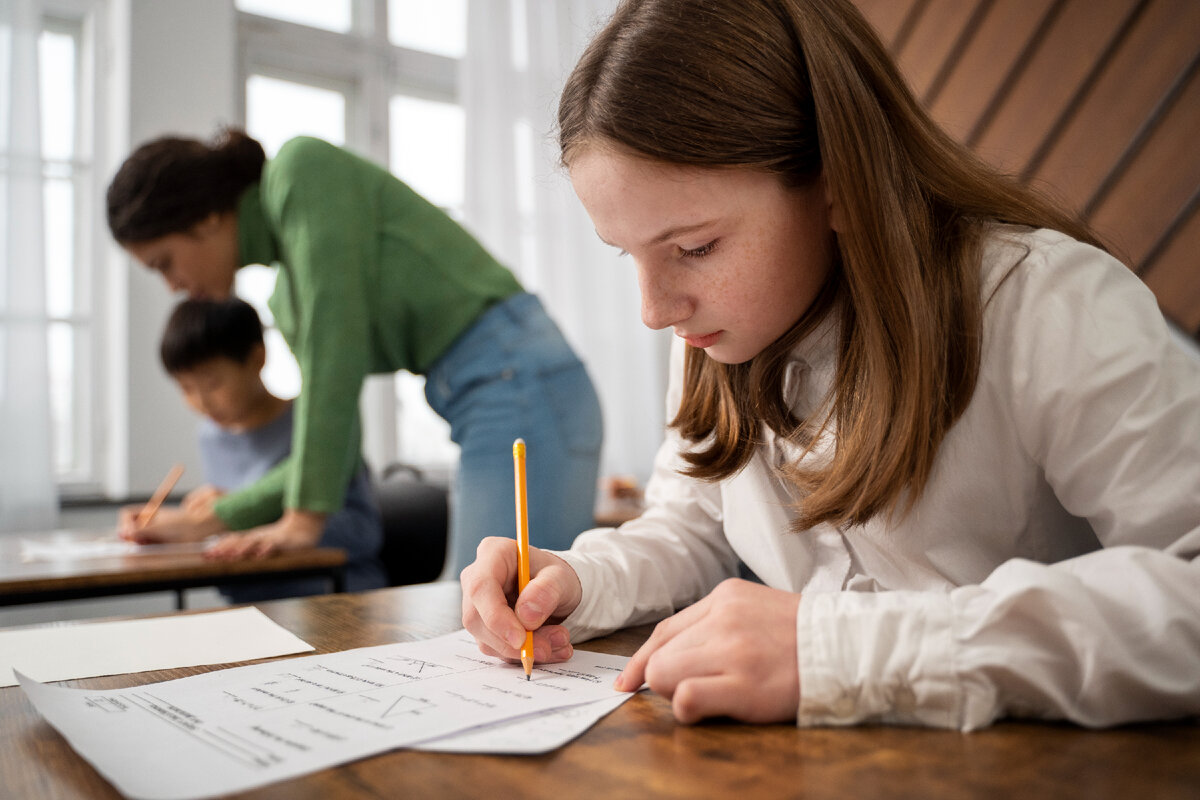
pixel 663 305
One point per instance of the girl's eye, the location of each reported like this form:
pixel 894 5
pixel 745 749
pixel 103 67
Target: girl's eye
pixel 700 251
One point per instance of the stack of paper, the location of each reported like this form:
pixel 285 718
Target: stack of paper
pixel 236 729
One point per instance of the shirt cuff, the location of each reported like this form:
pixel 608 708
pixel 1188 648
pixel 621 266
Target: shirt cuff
pixel 877 657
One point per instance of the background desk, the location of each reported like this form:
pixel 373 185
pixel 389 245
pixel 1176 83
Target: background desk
pixel 639 751
pixel 45 581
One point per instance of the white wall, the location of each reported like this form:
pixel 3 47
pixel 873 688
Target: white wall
pixel 179 70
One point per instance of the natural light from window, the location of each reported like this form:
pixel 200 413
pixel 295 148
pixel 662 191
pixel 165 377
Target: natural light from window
pixel 435 27
pixel 277 110
pixel 66 306
pixel 427 147
pixel 332 15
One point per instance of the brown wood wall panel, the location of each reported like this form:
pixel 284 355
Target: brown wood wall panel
pixel 932 40
pixel 1152 56
pixel 1096 100
pixel 1158 183
pixel 1049 80
pixel 1172 276
pixel 992 54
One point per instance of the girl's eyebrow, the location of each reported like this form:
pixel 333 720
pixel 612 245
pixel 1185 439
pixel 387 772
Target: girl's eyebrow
pixel 669 233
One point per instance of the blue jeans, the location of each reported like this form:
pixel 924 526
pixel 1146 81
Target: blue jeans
pixel 510 375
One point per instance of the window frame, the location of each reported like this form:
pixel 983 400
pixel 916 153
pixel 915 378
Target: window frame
pixel 82 20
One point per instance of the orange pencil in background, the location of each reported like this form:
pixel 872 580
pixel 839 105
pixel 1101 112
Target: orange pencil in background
pixel 160 494
pixel 522 545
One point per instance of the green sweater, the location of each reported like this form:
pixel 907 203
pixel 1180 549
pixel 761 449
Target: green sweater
pixel 371 278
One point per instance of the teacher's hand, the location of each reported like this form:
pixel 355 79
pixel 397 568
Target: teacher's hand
pixel 489 589
pixel 295 530
pixel 731 654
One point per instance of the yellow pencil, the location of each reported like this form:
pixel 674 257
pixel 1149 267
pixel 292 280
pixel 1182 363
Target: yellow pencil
pixel 151 508
pixel 522 545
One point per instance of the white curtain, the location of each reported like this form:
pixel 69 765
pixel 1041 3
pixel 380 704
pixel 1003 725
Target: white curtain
pixel 27 490
pixel 521 205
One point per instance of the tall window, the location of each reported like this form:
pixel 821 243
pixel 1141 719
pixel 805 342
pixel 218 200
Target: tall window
pixel 380 77
pixel 67 196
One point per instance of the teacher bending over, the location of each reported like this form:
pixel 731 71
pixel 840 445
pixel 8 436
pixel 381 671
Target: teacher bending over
pixel 372 278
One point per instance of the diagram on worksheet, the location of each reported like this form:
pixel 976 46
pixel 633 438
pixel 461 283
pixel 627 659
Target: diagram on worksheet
pixel 233 729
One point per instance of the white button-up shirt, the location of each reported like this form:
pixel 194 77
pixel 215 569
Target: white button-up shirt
pixel 1049 569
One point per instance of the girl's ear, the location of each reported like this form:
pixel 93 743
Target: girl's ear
pixel 832 207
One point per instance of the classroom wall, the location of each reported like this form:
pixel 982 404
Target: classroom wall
pixel 178 67
pixel 1098 100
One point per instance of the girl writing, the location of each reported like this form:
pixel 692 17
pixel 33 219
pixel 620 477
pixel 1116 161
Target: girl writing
pixel 951 435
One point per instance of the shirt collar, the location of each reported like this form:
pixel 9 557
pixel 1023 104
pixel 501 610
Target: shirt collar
pixel 256 243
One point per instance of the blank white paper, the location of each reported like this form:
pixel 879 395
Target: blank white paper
pixel 114 648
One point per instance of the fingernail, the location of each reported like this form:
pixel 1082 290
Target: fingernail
pixel 531 609
pixel 516 639
pixel 559 639
pixel 619 683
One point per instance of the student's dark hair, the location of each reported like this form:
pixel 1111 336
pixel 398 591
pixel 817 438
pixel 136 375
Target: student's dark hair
pixel 804 89
pixel 168 185
pixel 199 331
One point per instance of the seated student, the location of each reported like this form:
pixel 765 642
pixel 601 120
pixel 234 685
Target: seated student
pixel 214 351
pixel 953 436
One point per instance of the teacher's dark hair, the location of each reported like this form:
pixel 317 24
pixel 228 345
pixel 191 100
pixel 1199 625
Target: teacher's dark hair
pixel 169 184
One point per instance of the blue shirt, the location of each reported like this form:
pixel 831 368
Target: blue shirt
pixel 232 460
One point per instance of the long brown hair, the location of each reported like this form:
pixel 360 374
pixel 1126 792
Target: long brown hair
pixel 801 89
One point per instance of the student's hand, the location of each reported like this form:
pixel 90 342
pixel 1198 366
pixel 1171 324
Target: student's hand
pixel 295 530
pixel 731 654
pixel 170 524
pixel 489 587
pixel 201 499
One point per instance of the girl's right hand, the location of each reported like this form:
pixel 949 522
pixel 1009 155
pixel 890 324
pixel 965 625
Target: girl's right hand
pixel 489 588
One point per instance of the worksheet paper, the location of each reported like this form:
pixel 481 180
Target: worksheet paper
pixel 69 548
pixel 115 648
pixel 239 728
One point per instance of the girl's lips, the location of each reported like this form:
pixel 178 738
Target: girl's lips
pixel 701 342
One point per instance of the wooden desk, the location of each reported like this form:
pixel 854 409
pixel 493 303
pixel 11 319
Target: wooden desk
pixel 45 581
pixel 639 751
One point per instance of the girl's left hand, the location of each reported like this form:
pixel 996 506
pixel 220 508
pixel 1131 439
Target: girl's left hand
pixel 731 654
pixel 295 530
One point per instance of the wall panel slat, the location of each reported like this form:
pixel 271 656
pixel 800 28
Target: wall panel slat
pixel 1156 51
pixel 1049 80
pixel 973 82
pixel 1173 279
pixel 932 40
pixel 1096 100
pixel 1157 183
